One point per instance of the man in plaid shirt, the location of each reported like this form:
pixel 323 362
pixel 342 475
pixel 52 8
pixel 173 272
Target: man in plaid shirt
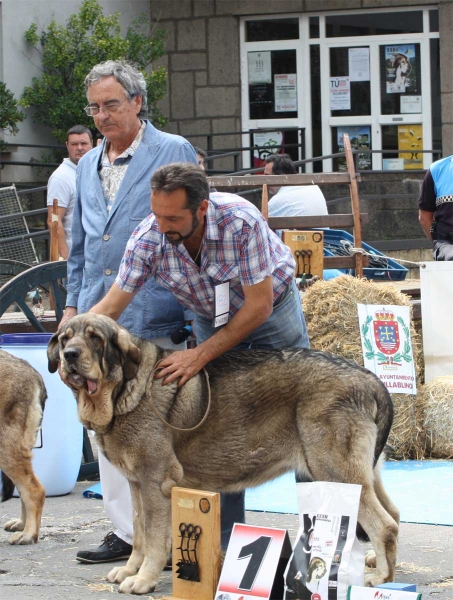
pixel 219 258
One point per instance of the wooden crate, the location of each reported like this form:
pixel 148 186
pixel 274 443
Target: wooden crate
pixel 301 242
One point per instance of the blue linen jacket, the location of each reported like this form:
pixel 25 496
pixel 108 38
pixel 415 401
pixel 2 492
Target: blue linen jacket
pixel 99 239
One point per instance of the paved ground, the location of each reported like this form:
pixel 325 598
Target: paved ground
pixel 49 570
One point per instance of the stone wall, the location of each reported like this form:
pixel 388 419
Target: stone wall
pixel 390 199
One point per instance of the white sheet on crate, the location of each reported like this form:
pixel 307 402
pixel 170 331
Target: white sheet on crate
pixel 436 284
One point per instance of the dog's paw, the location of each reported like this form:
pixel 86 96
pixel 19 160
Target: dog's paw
pixel 372 580
pixel 137 585
pixel 119 574
pixel 370 559
pixel 23 539
pixel 14 525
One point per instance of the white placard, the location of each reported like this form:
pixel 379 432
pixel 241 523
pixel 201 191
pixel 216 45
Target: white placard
pixel 285 87
pixel 359 64
pixel 251 562
pixel 387 347
pixel 436 281
pixel 340 93
pixel 393 164
pixel 365 593
pixel 260 70
pixel 410 104
pixel 222 298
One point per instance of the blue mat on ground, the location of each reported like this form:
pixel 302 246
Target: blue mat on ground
pixel 422 490
pixel 95 491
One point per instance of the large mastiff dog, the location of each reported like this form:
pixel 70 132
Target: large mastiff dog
pixel 271 412
pixel 22 399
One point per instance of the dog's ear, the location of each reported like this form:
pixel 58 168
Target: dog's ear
pixel 132 354
pixel 53 353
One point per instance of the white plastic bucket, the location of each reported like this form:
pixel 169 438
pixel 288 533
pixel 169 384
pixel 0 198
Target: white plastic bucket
pixel 57 462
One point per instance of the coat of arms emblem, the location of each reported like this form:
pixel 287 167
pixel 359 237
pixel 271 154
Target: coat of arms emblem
pixel 386 332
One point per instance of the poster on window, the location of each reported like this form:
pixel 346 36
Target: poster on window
pixel 400 72
pixel 410 104
pixel 265 143
pixel 285 90
pixel 360 138
pixel 260 70
pixel 359 64
pixel 410 139
pixel 340 93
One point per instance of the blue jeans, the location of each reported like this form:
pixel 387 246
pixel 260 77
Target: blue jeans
pixel 285 328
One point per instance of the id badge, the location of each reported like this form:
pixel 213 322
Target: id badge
pixel 221 304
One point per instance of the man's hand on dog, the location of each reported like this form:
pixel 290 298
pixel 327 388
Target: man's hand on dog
pixel 182 364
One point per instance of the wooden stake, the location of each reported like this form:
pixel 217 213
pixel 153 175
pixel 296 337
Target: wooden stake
pixel 54 254
pixel 265 202
pixel 203 509
pixel 355 205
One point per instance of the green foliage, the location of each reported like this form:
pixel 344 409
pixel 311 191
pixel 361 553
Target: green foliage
pixel 68 52
pixel 10 116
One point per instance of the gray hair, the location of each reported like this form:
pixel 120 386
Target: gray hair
pixel 128 77
pixel 187 176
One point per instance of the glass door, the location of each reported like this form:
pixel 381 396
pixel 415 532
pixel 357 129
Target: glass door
pixel 274 88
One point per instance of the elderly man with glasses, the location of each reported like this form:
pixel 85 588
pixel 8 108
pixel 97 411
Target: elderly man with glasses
pixel 112 198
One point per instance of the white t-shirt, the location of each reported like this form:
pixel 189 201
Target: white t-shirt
pixel 298 201
pixel 62 186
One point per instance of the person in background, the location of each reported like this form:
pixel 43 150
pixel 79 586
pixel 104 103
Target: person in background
pixel 436 207
pixel 217 255
pixel 201 155
pixel 292 200
pixel 62 185
pixel 112 198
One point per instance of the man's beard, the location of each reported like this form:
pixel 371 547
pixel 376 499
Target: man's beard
pixel 179 240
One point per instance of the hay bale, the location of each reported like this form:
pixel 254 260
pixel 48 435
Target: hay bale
pixel 330 309
pixel 437 399
pixel 408 438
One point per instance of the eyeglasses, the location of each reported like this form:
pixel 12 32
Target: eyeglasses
pixel 108 107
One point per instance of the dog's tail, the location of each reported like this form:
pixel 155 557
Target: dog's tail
pixel 384 419
pixel 7 488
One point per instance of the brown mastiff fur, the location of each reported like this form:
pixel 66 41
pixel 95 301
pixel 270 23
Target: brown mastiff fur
pixel 22 398
pixel 272 412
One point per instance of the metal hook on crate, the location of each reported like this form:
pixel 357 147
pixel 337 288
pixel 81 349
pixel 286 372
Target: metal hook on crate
pixel 298 254
pixel 188 569
pixel 309 254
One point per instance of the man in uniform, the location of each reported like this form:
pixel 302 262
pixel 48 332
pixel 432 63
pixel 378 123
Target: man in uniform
pixel 436 207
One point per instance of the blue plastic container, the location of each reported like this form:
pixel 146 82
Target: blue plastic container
pixel 57 462
pixel 392 271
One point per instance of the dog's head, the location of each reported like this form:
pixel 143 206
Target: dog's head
pixel 95 357
pixel 402 63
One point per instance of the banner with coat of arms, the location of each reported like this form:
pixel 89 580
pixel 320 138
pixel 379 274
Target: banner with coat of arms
pixel 387 347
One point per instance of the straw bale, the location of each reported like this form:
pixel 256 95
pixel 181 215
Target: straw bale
pixel 437 399
pixel 330 309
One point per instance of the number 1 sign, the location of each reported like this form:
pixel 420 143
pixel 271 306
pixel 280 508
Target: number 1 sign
pixel 255 555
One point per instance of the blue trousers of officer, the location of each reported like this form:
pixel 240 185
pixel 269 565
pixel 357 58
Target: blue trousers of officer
pixel 285 328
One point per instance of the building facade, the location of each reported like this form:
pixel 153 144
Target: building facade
pixel 303 72
pixel 299 73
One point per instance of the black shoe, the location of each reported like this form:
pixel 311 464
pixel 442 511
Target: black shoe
pixel 112 548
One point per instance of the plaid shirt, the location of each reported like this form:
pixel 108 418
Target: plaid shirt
pixel 237 246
